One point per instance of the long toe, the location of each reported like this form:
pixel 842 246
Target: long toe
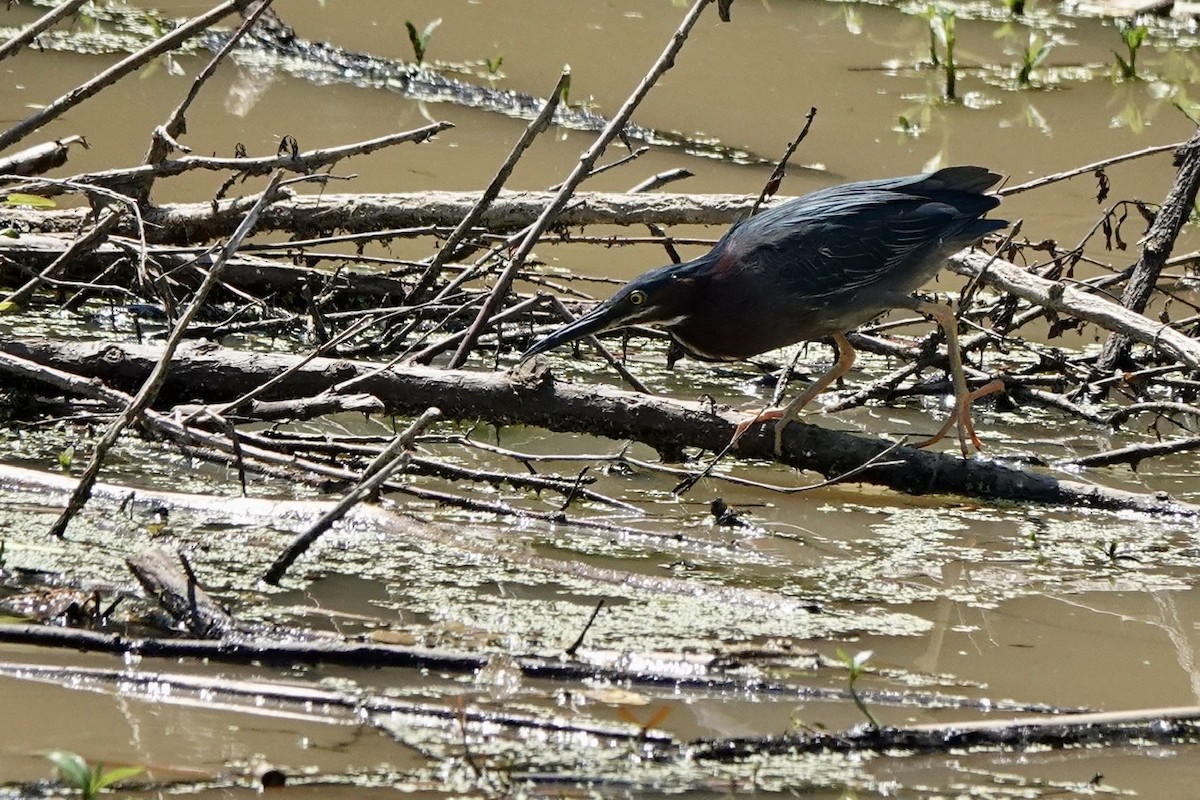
pixel 941 434
pixel 961 417
pixel 748 423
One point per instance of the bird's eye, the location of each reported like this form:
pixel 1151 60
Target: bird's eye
pixel 637 298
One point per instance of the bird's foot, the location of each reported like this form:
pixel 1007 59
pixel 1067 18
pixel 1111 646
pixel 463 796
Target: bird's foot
pixel 780 416
pixel 961 416
pixel 766 415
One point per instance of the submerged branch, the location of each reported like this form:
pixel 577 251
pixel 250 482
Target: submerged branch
pixel 1160 725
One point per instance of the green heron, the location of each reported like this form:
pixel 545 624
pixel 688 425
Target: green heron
pixel 814 267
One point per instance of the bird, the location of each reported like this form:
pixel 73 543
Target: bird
pixel 814 268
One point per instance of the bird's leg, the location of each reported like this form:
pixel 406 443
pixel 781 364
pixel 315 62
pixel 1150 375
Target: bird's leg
pixel 963 397
pixel 782 416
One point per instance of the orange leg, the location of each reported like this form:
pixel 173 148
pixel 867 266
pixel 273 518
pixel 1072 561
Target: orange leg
pixel 963 397
pixel 782 416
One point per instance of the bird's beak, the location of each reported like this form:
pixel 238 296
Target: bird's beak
pixel 601 318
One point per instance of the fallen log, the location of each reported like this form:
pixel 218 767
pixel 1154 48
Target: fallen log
pixel 1067 299
pixel 191 223
pixel 203 372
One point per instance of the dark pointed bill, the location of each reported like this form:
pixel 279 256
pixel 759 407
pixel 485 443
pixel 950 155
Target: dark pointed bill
pixel 601 318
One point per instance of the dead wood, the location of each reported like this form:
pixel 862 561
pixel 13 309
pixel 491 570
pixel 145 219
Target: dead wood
pixel 28 253
pixel 307 162
pixel 169 41
pixel 1156 249
pixel 213 374
pixel 1135 454
pixel 1160 725
pixel 315 702
pixel 587 162
pixel 1067 299
pixel 387 516
pixel 41 157
pixel 45 22
pixel 176 590
pixel 191 223
pixel 1084 169
pixel 394 458
pixel 259 453
pixel 148 391
pixel 704 672
pixel 77 251
pixel 450 249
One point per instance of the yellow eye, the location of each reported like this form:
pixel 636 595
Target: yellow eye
pixel 637 297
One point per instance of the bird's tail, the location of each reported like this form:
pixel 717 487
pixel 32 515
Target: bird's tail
pixel 975 180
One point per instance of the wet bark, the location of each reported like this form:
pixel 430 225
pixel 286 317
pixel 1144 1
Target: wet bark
pixel 212 374
pixel 1161 725
pixel 1054 730
pixel 176 590
pixel 191 223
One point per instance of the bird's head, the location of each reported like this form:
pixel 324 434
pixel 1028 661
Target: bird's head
pixel 661 297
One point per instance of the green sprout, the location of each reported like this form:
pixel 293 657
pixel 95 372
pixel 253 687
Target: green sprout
pixel 931 14
pixel 941 32
pixel 493 64
pixel 1114 553
pixel 420 41
pixel 1133 36
pixel 565 93
pixel 856 666
pixel 1032 57
pixel 88 781
pixel 22 200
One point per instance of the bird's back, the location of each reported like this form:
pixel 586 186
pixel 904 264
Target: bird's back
pixel 883 236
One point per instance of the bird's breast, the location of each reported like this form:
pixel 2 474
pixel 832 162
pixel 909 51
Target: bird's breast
pixel 751 332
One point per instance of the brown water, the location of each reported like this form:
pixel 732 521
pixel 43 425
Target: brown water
pixel 1007 602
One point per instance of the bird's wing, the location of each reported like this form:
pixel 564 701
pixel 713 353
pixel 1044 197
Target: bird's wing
pixel 831 245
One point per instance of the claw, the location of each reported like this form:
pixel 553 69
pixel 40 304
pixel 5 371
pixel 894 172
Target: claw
pixel 961 416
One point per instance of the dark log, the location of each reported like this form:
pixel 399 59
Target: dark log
pixel 32 252
pixel 704 672
pixel 209 373
pixel 1140 726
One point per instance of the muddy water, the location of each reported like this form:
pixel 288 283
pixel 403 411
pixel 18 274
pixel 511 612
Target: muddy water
pixel 984 602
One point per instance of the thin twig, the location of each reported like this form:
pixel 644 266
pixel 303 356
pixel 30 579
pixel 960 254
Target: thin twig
pixel 393 458
pixel 450 247
pixel 1156 249
pixel 164 139
pixel 31 31
pixel 109 219
pixel 1086 168
pixel 586 163
pixel 154 381
pixel 772 185
pixel 574 648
